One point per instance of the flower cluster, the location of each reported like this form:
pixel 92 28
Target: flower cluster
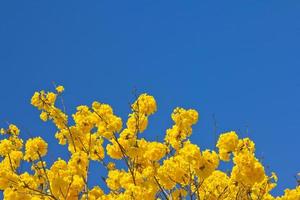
pixel 175 168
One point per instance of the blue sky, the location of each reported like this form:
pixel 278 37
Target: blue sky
pixel 236 60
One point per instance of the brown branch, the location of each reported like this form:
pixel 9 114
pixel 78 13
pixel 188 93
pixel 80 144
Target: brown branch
pixel 161 189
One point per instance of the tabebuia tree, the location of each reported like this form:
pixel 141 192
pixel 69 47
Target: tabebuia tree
pixel 175 168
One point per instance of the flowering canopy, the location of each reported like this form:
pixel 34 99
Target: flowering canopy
pixel 173 169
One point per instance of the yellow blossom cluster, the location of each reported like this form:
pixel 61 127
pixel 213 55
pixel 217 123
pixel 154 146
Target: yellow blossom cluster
pixel 184 119
pixel 173 169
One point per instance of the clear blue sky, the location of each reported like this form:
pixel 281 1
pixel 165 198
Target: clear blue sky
pixel 237 60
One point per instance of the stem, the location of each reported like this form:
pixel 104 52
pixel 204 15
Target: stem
pixel 44 169
pixel 161 189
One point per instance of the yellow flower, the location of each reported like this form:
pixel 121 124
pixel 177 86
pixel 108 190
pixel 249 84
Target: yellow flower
pixel 155 151
pixel 111 166
pixel 35 148
pixel 13 129
pixel 59 89
pixel 2 131
pixel 226 144
pixel 44 116
pixel 145 104
pixel 137 123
